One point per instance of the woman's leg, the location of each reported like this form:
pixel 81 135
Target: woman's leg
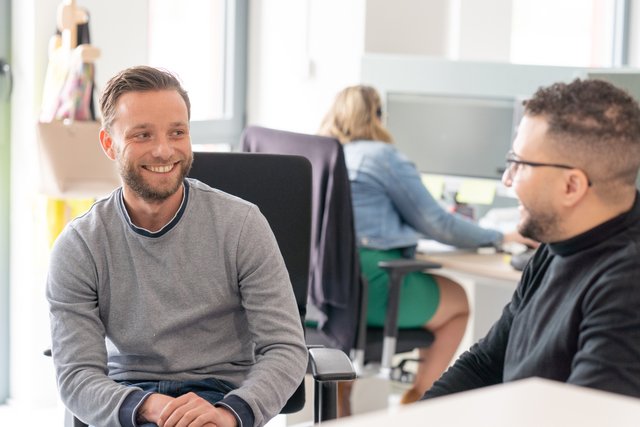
pixel 448 325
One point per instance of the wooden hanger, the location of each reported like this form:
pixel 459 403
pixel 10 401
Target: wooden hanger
pixel 68 18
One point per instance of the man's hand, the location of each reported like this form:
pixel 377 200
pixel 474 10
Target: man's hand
pixel 151 408
pixel 193 411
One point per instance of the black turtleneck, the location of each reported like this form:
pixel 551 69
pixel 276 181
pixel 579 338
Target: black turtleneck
pixel 575 317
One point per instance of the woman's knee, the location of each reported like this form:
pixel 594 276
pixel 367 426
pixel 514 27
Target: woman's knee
pixel 452 295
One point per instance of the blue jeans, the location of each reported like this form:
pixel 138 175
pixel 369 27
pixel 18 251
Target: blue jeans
pixel 212 390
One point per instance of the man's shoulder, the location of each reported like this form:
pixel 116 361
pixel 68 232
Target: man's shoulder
pixel 98 214
pixel 89 229
pixel 204 192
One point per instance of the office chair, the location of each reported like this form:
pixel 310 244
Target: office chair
pixel 337 288
pixel 281 187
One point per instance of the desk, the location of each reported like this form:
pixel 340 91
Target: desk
pixel 532 402
pixel 488 279
pixel 490 266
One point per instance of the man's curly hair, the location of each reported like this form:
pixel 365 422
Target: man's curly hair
pixel 593 125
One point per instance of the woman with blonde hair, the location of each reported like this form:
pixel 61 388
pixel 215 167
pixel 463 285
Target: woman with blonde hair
pixel 392 210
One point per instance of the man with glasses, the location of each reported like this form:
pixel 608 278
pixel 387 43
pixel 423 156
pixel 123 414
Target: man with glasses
pixel 575 316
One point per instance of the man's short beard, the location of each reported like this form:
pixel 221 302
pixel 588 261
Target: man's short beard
pixel 137 184
pixel 539 227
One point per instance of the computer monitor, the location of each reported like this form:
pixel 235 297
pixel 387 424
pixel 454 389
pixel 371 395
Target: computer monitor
pixel 465 136
pixel 629 81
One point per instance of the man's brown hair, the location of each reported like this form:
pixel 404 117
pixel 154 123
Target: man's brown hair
pixel 137 79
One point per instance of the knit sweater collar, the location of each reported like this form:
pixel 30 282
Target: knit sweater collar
pixel 598 234
pixel 164 230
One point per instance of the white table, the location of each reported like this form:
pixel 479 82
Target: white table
pixel 532 402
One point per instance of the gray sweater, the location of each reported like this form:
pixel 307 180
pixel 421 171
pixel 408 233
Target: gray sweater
pixel 206 296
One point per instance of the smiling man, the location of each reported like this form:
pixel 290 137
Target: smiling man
pixel 169 300
pixel 575 316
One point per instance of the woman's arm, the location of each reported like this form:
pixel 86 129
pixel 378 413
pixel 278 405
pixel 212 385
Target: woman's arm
pixel 421 211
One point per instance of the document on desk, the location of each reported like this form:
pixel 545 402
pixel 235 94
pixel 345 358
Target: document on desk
pixel 501 219
pixel 428 246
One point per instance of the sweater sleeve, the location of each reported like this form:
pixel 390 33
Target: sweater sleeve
pixel 608 346
pixel 78 335
pixel 480 366
pixel 422 212
pixel 273 321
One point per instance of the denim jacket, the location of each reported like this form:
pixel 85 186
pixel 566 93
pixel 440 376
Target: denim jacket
pixel 393 209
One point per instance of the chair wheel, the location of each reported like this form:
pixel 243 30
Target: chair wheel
pixel 407 377
pixel 399 373
pixel 396 373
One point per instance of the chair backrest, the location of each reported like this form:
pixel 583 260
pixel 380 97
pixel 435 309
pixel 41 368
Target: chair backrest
pixel 334 286
pixel 280 185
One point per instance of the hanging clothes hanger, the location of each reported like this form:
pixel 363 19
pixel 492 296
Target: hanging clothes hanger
pixel 69 16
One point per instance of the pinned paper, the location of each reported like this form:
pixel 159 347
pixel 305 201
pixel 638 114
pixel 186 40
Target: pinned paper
pixel 476 191
pixel 435 185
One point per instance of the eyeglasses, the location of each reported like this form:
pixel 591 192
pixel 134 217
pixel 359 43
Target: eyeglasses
pixel 513 165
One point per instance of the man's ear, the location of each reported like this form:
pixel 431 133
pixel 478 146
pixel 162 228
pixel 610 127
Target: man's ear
pixel 576 186
pixel 107 144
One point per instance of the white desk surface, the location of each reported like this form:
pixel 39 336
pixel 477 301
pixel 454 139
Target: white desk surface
pixel 532 402
pixel 491 266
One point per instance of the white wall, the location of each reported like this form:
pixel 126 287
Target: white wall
pixel 301 53
pixel 484 30
pixel 412 27
pixel 455 29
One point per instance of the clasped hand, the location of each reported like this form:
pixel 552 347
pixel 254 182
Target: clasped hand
pixel 188 410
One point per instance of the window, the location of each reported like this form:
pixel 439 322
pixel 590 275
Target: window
pixel 566 33
pixel 213 32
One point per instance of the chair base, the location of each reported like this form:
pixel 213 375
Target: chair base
pixel 408 339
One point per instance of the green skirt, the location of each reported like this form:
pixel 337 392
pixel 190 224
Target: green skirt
pixel 419 294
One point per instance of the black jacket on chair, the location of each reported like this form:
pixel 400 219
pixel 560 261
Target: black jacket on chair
pixel 334 264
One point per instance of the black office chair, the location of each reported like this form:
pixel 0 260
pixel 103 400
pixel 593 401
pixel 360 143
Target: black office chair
pixel 281 187
pixel 337 287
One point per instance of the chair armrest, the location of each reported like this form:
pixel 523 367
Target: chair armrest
pixel 330 364
pixel 404 266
